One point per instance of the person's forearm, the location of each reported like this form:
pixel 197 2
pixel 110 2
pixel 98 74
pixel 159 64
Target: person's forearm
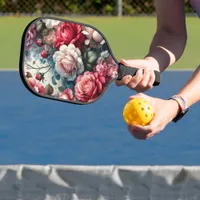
pixel 166 48
pixel 191 91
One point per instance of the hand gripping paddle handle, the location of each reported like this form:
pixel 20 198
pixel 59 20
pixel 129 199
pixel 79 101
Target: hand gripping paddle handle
pixel 123 71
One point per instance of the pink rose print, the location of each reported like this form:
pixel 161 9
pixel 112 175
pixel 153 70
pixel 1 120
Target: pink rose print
pixel 89 86
pixel 39 76
pixel 67 60
pixel 102 68
pixel 107 68
pixel 37 86
pixel 69 33
pixel 44 53
pixel 78 41
pixel 30 37
pixel 39 42
pixel 49 38
pixel 67 94
pixel 113 72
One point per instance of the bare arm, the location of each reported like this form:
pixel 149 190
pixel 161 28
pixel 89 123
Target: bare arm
pixel 170 38
pixel 191 91
pixel 167 110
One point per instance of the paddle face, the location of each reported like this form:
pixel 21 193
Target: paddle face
pixel 66 61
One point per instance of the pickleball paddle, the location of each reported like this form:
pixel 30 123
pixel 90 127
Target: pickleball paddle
pixel 68 61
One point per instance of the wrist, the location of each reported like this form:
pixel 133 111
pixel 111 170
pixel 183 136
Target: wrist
pixel 163 56
pixel 182 107
pixel 175 108
pixel 153 63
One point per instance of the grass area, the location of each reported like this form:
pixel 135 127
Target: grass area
pixel 129 37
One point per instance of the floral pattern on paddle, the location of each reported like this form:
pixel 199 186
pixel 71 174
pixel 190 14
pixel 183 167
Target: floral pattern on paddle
pixel 67 60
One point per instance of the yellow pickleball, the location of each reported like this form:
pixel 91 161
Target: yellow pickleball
pixel 138 111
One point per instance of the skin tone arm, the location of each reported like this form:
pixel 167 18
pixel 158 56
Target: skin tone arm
pixel 191 91
pixel 166 110
pixel 166 48
pixel 170 38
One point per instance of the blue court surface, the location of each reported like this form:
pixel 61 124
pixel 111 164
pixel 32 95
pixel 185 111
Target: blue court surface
pixel 41 131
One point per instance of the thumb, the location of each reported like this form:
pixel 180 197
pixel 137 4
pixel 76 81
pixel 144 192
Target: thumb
pixel 149 129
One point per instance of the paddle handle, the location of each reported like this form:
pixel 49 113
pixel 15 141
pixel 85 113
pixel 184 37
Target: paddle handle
pixel 123 71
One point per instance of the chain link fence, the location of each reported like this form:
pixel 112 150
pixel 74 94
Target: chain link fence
pixel 80 7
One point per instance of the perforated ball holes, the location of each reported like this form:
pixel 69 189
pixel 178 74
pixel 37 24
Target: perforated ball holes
pixel 138 111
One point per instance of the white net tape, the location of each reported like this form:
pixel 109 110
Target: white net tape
pixel 60 182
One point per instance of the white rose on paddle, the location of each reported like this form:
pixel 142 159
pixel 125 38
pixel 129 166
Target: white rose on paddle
pixel 51 23
pixel 68 62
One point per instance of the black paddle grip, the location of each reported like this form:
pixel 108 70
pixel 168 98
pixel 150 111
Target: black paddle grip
pixel 123 71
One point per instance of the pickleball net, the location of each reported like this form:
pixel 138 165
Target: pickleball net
pixel 65 182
